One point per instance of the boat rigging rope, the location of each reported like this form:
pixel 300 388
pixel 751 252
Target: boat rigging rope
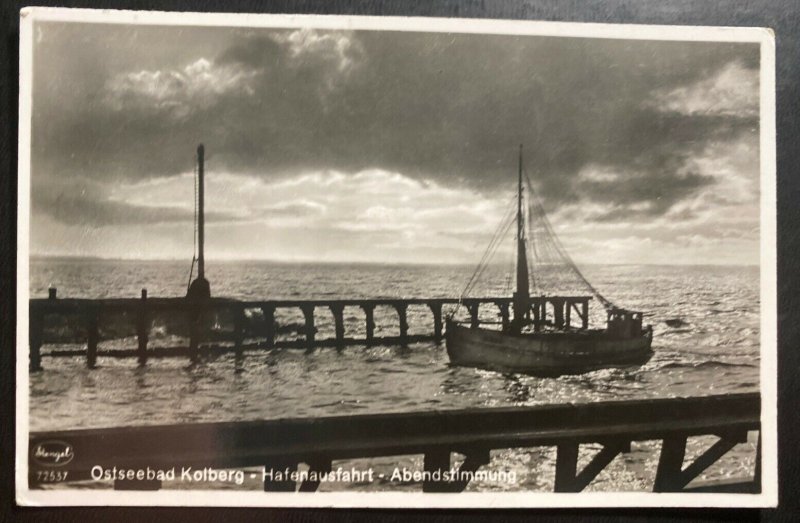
pixel 491 249
pixel 536 205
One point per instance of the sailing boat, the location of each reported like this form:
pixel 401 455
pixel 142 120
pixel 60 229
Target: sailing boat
pixel 530 343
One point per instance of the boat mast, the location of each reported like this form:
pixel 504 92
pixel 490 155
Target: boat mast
pixel 201 219
pixel 200 289
pixel 522 295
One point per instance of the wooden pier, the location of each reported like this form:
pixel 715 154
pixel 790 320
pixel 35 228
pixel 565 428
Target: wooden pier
pixel 88 317
pixel 436 435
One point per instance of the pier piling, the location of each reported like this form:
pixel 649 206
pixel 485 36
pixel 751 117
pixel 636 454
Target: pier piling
pixel 504 315
pixel 142 330
pixel 269 325
pixel 230 337
pixel 369 313
pixel 337 310
pixel 93 337
pixel 402 315
pixel 35 332
pixel 436 309
pixel 308 313
pixel 238 330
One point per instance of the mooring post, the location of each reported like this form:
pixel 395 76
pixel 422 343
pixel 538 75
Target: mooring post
pixel 402 315
pixel 93 337
pixel 35 337
pixel 269 324
pixel 51 293
pixel 308 313
pixel 436 309
pixel 142 331
pixel 369 313
pixel 473 307
pixel 337 309
pixel 504 315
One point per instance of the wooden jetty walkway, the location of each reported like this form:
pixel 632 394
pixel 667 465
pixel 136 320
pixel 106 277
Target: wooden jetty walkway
pixel 318 442
pixel 87 316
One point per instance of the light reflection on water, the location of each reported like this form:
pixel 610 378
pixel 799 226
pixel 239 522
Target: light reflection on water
pixel 714 349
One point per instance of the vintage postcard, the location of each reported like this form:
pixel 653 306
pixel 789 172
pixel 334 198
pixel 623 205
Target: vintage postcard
pixel 273 260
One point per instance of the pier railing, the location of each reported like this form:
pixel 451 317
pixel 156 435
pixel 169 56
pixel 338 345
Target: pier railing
pixel 318 442
pixel 86 318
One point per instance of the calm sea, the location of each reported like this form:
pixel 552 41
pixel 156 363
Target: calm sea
pixel 706 323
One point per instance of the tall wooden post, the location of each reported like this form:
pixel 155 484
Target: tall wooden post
pixel 200 289
pixel 436 309
pixel 142 330
pixel 369 313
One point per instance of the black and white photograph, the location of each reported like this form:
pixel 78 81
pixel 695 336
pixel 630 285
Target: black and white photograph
pixel 272 260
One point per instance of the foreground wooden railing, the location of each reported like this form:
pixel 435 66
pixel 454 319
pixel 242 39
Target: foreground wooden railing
pixel 87 316
pixel 318 442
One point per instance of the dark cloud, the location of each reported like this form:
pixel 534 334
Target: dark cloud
pixel 447 107
pixel 91 208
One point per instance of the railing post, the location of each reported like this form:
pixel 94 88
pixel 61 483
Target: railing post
pixel 566 466
pixel 369 313
pixel 35 337
pixel 402 315
pixel 337 309
pixel 92 338
pixel 142 330
pixel 436 309
pixel 277 475
pixel 308 313
pixel 436 459
pixel 269 324
pixel 670 464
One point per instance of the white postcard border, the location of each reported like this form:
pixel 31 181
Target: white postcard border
pixel 768 267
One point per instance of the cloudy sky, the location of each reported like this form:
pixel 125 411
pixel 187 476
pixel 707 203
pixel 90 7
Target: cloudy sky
pixel 390 147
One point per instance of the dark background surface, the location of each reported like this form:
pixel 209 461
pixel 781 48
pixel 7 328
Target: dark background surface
pixel 783 16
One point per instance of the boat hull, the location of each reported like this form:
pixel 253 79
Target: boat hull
pixel 545 354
